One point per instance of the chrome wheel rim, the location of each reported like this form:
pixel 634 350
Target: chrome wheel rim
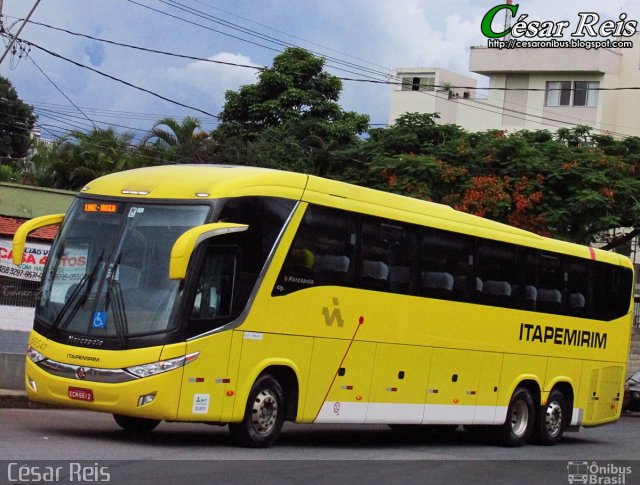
pixel 553 418
pixel 519 418
pixel 264 411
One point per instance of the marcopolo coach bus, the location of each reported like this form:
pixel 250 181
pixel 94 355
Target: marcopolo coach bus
pixel 247 297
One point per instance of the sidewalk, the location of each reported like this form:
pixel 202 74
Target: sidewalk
pixel 18 400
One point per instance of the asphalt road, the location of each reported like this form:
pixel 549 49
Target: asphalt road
pixel 195 453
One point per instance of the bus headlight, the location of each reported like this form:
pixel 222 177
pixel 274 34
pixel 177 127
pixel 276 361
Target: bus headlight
pixel 34 355
pixel 146 370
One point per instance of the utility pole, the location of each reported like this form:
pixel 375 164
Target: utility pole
pixel 13 38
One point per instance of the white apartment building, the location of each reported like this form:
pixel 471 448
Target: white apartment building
pixel 427 90
pixel 545 89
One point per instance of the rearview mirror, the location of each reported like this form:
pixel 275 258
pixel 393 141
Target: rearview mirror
pixel 189 240
pixel 20 237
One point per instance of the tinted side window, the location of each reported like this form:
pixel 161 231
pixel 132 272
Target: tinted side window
pixel 497 274
pixel 445 265
pixel 550 283
pixel 579 287
pixel 388 250
pixel 613 291
pixel 322 253
pixel 228 272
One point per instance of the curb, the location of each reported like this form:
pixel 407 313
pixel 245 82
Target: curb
pixel 10 399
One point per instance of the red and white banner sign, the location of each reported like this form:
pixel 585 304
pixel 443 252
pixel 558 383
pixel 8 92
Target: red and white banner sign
pixel 33 261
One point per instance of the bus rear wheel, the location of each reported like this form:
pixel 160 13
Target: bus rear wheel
pixel 551 420
pixel 136 425
pixel 263 416
pixel 520 419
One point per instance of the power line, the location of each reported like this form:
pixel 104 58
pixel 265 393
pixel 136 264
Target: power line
pixel 268 38
pixel 228 34
pixel 261 68
pixel 108 113
pixel 113 78
pixel 60 91
pixel 387 82
pixel 292 36
pixel 147 49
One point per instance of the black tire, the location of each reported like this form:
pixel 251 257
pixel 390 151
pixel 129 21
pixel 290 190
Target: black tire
pixel 136 425
pixel 263 416
pixel 551 420
pixel 520 419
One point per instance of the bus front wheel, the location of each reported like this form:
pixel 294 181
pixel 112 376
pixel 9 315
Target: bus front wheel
pixel 520 419
pixel 263 416
pixel 551 420
pixel 136 425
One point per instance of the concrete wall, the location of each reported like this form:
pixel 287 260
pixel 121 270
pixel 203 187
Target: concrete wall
pixel 11 371
pixel 28 202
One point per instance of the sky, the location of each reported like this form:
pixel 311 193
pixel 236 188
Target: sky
pixel 362 39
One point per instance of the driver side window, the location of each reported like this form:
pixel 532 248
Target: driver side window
pixel 214 292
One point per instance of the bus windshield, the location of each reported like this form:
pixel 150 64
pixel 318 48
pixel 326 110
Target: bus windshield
pixel 108 273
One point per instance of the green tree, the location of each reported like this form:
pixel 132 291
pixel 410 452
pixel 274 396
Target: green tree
pixel 184 142
pixel 16 123
pixel 72 161
pixel 294 101
pixel 572 186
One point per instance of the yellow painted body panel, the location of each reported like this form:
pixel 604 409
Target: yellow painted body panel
pixel 327 355
pixel 355 384
pixel 601 391
pixel 400 373
pixel 204 380
pixel 119 398
pixel 262 350
pixel 91 357
pixel 474 356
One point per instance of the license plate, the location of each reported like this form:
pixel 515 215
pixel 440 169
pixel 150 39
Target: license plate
pixel 80 394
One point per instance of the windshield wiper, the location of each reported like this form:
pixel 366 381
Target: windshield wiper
pixel 119 312
pixel 87 279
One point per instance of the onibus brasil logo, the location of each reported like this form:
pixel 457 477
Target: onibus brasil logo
pixel 594 473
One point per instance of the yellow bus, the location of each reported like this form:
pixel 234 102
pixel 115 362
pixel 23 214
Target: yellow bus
pixel 248 296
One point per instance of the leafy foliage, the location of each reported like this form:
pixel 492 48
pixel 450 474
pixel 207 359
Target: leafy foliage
pixel 16 123
pixel 572 187
pixel 295 103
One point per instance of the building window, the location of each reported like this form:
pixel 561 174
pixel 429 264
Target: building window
pixel 418 83
pixel 572 93
pixel 585 93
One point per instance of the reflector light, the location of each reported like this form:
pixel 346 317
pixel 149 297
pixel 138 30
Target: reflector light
pixel 32 384
pixel 134 192
pixel 146 399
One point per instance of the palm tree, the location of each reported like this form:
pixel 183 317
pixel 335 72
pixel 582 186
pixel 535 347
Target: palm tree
pixel 185 140
pixel 78 157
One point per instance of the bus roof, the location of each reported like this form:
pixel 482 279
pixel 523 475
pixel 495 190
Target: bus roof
pixel 202 181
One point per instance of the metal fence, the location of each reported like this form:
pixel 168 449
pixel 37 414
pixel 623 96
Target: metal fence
pixel 17 303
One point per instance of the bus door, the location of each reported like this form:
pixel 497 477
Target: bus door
pixel 209 307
